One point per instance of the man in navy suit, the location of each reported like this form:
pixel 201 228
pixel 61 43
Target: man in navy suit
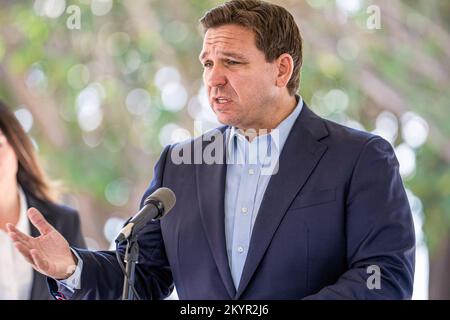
pixel 276 204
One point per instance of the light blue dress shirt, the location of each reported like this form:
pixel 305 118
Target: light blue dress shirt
pixel 249 169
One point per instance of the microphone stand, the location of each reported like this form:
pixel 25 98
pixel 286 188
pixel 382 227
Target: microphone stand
pixel 131 259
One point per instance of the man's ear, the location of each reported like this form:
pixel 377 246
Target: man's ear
pixel 285 65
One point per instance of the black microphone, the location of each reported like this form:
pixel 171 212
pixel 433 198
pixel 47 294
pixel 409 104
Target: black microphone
pixel 156 205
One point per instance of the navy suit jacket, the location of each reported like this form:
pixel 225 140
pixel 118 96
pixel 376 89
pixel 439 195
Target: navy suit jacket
pixel 336 207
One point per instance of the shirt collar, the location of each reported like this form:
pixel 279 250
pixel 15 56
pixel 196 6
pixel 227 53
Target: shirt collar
pixel 284 128
pixel 23 224
pixel 279 134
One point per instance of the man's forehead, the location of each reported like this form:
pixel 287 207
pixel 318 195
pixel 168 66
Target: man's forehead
pixel 222 53
pixel 226 40
pixel 227 33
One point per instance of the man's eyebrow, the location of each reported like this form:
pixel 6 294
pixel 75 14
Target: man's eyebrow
pixel 233 55
pixel 224 54
pixel 202 55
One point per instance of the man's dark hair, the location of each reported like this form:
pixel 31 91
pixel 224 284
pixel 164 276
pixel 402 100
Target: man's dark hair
pixel 275 30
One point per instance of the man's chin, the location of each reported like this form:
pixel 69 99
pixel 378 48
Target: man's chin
pixel 227 120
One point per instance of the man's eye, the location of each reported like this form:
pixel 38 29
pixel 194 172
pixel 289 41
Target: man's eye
pixel 232 62
pixel 207 65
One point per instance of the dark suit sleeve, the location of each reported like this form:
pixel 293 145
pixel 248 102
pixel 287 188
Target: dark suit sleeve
pixel 101 276
pixel 379 230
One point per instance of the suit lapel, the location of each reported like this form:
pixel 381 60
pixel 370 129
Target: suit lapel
pixel 211 193
pixel 300 155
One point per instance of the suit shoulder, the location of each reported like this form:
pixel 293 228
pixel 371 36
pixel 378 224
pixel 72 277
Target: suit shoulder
pixel 52 211
pixel 64 210
pixel 354 141
pixel 347 134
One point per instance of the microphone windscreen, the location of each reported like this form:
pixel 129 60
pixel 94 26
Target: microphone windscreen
pixel 165 196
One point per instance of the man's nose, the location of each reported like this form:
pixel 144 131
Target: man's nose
pixel 216 77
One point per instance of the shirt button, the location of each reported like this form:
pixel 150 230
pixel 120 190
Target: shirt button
pixel 251 172
pixel 240 249
pixel 244 210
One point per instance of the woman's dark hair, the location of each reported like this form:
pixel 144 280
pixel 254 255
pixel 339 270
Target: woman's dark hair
pixel 30 175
